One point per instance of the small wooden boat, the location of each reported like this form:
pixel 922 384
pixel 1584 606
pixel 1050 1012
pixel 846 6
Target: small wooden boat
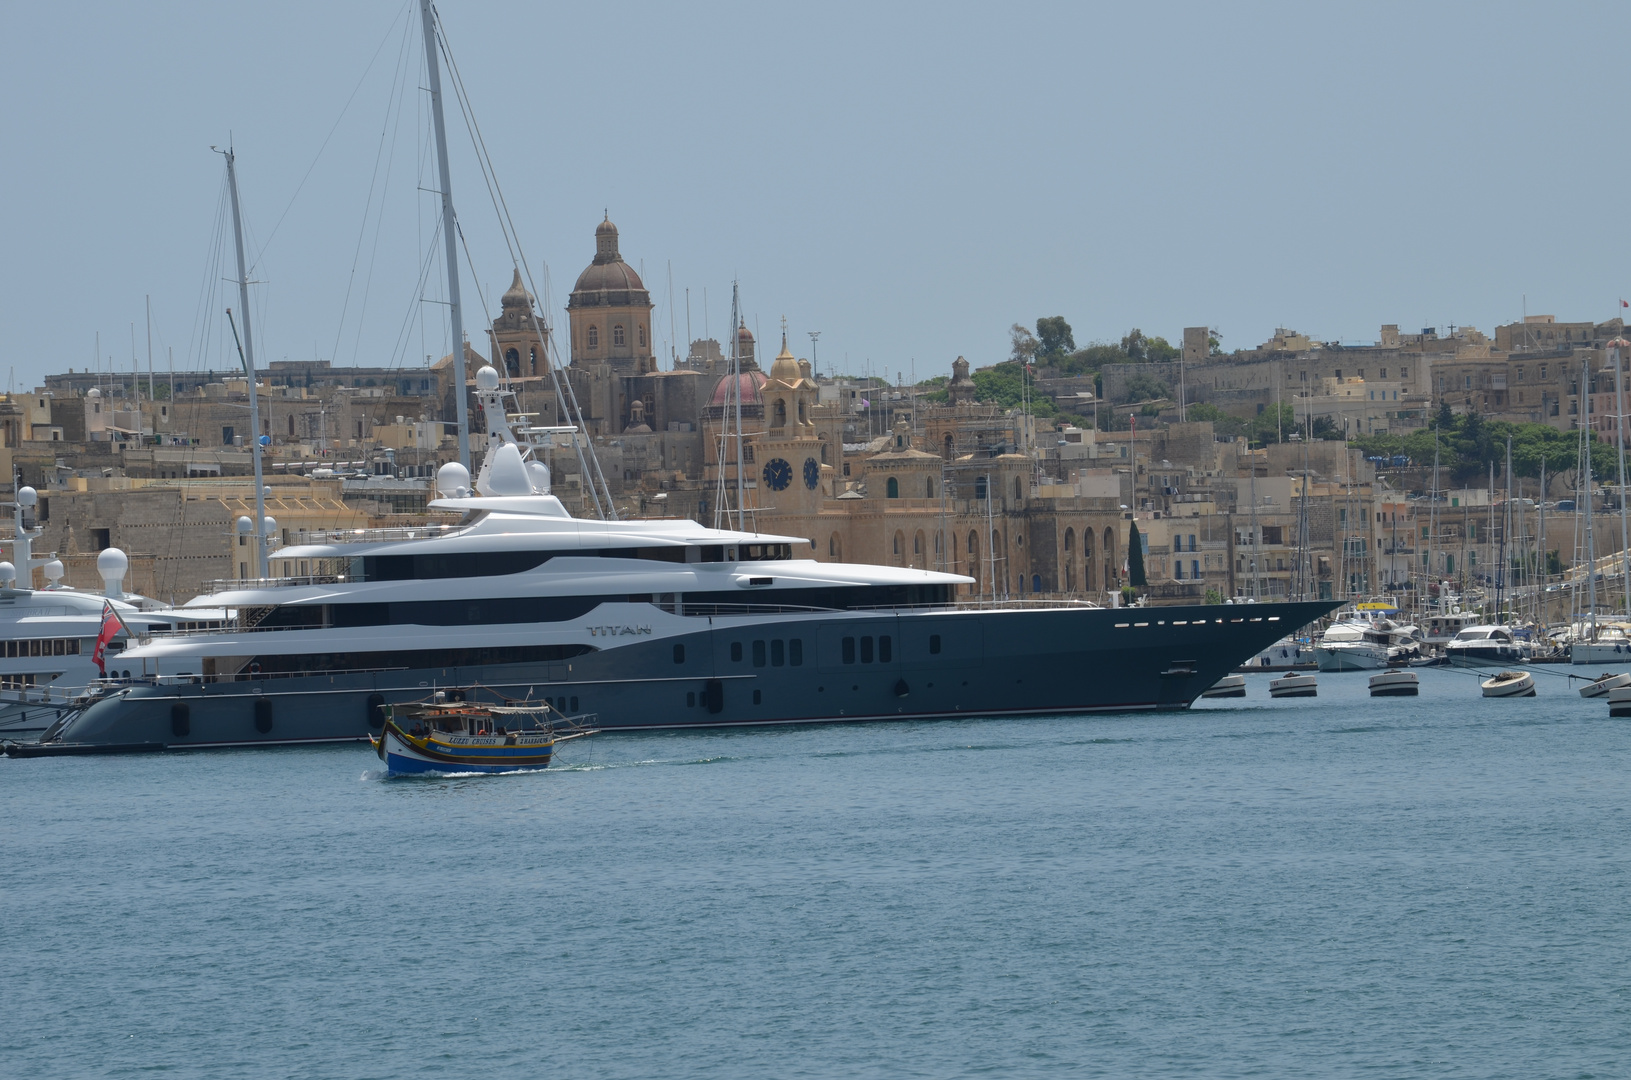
pixel 449 734
pixel 1395 684
pixel 1293 686
pixel 1602 684
pixel 1228 686
pixel 1619 701
pixel 1510 684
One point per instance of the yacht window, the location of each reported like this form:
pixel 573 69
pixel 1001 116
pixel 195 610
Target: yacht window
pixel 758 654
pixel 679 654
pixel 778 656
pixel 453 564
pixel 736 651
pixel 849 650
pixel 795 653
pixel 691 699
pixel 866 650
pixel 885 649
pixel 934 644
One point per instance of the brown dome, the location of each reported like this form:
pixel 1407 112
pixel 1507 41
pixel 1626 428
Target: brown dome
pixel 748 381
pixel 608 281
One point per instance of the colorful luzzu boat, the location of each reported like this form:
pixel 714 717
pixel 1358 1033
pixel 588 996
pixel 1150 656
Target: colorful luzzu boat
pixel 451 735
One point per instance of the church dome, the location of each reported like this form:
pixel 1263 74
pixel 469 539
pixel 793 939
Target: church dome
pixel 608 274
pixel 749 381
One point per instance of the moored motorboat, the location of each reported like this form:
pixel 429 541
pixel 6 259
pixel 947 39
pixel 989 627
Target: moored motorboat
pixel 1287 654
pixel 1509 684
pixel 1228 686
pixel 1395 684
pixel 449 734
pixel 1293 686
pixel 1483 646
pixel 1602 684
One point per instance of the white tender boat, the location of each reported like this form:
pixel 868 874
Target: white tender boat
pixel 1287 654
pixel 1510 684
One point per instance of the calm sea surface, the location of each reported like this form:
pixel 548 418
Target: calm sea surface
pixel 1339 887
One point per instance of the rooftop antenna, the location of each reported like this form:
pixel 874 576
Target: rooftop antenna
pixel 814 334
pixel 450 229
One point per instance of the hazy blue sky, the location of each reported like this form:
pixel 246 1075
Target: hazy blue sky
pixel 907 179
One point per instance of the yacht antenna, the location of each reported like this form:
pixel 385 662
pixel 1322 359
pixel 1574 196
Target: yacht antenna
pixel 246 353
pixel 450 228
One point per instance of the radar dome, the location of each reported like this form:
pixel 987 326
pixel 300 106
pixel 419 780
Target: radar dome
pixel 486 378
pixel 451 479
pixel 92 394
pixel 54 571
pixel 112 562
pixel 245 525
pixel 8 572
pixel 27 496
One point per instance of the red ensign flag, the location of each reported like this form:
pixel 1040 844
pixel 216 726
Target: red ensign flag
pixel 111 625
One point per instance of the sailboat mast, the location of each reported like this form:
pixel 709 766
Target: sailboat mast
pixel 450 228
pixel 249 371
pixel 1616 349
pixel 1585 457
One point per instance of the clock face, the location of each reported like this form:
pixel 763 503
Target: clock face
pixel 812 473
pixel 778 474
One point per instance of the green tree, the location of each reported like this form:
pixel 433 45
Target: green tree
pixel 1022 346
pixel 1213 596
pixel 1054 339
pixel 1135 557
pixel 1446 415
pixel 1142 386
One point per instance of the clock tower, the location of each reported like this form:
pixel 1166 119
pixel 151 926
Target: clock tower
pixel 789 453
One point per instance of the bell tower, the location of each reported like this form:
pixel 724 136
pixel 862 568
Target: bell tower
pixel 790 480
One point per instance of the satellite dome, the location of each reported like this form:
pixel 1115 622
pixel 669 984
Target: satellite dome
pixel 486 378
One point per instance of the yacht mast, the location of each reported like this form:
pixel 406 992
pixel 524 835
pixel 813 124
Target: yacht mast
pixel 450 228
pixel 247 355
pixel 1616 350
pixel 736 391
pixel 1585 459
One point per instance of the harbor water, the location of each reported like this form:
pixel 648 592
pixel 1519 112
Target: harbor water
pixel 1340 886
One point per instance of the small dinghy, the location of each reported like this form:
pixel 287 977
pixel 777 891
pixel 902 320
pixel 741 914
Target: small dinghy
pixel 1619 701
pixel 1395 684
pixel 1293 686
pixel 1234 686
pixel 1510 684
pixel 1602 684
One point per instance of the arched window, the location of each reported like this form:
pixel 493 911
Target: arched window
pixel 1017 492
pixel 929 487
pixel 900 542
pixel 594 337
pixel 939 543
pixel 1036 583
pixel 642 337
pixel 617 334
pixel 948 451
pixel 780 413
pixel 532 360
pixel 824 454
pixel 512 362
pixel 974 559
pixel 1070 541
pixel 835 547
pixel 802 418
pixel 891 490
pixel 979 487
pixel 917 546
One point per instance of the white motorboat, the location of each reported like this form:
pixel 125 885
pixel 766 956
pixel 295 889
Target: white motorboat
pixel 1509 684
pixel 1485 646
pixel 1356 645
pixel 1228 686
pixel 1395 684
pixel 1606 643
pixel 1287 654
pixel 1602 684
pixel 1293 686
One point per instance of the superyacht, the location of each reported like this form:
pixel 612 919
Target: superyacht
pixel 642 624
